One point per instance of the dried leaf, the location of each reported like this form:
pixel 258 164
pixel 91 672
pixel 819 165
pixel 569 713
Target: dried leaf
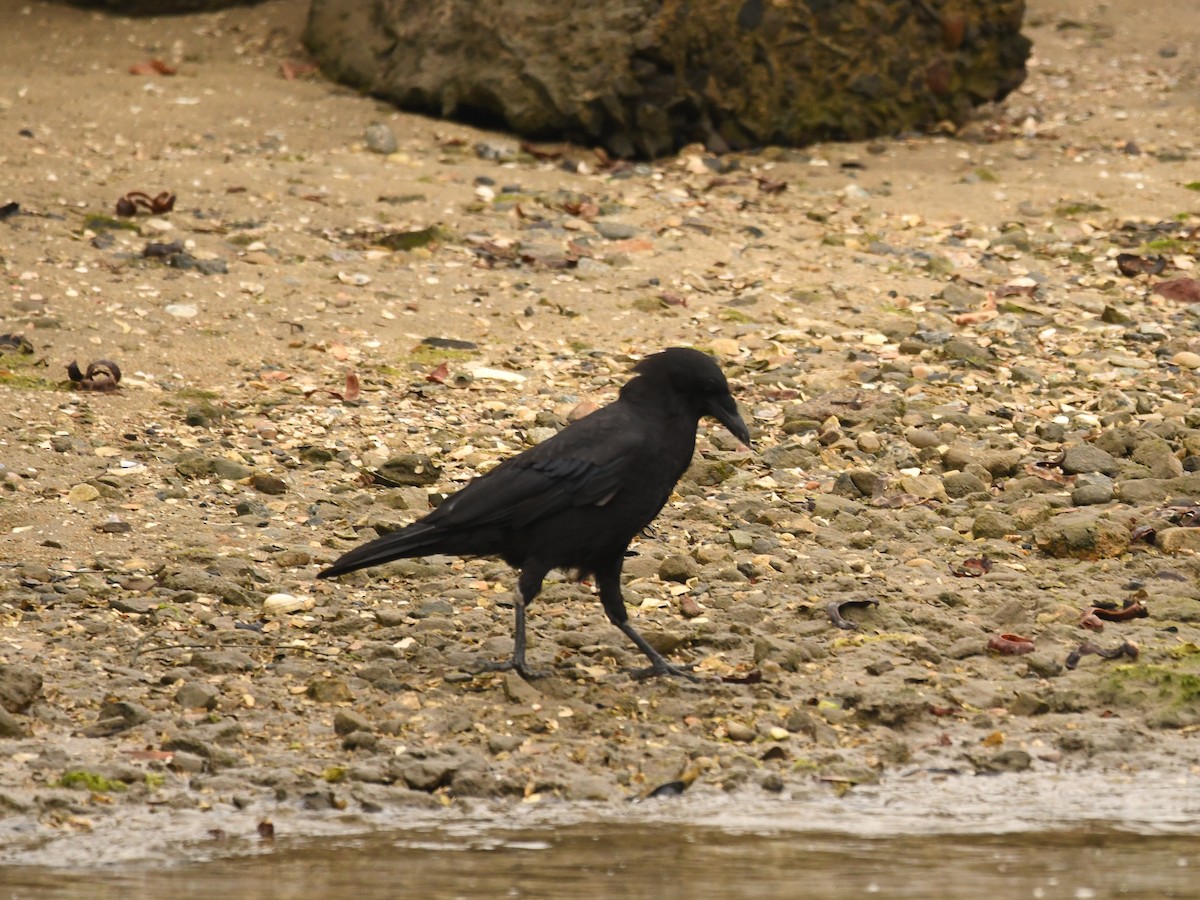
pixel 1181 290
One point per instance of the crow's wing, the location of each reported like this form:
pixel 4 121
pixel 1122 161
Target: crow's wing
pixel 577 467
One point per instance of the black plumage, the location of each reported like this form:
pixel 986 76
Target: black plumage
pixel 575 501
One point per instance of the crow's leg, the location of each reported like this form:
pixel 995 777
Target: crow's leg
pixel 609 582
pixel 529 585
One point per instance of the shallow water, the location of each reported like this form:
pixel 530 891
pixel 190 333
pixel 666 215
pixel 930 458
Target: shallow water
pixel 1078 837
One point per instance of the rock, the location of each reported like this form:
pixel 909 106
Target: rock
pixel 962 484
pixel 1025 704
pixel 1004 761
pixel 197 695
pixel 219 662
pixel 161 7
pixel 138 606
pixel 269 484
pixel 360 740
pixel 1088 458
pixel 380 139
pixel 678 567
pixel 1174 540
pixel 1091 489
pixel 1156 455
pixel 203 414
pixel 518 690
pixel 10 725
pixel 740 732
pixel 1143 490
pixel 741 540
pixel 346 722
pixel 19 687
pixel 1043 665
pixel 428 774
pixel 83 493
pixel 644 78
pixel 990 523
pixel 414 469
pixel 229 469
pixel 1082 535
pixel 193 464
pixel 614 231
pixel 329 690
pixel 922 438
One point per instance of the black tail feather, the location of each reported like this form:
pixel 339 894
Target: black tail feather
pixel 417 539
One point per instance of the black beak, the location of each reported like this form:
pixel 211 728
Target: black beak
pixel 724 410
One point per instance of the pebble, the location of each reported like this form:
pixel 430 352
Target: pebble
pixel 1088 458
pixel 83 493
pixel 990 523
pixel 283 604
pixel 1176 540
pixel 740 732
pixel 197 695
pixel 1091 489
pixel 379 138
pixel 922 438
pixel 1083 535
pixel 614 231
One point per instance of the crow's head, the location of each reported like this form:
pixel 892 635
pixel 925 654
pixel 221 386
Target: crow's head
pixel 697 379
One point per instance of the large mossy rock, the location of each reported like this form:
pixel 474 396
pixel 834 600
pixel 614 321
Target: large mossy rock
pixel 645 77
pixel 160 7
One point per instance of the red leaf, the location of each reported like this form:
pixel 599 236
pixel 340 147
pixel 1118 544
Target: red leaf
pixel 1181 290
pixel 439 375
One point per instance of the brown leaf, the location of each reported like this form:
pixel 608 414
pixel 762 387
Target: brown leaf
pixel 972 568
pixel 152 67
pixel 353 387
pixel 1181 290
pixel 1131 265
pixel 1010 644
pixel 292 71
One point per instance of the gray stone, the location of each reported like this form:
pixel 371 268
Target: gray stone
pixel 922 438
pixel 678 567
pixel 1092 488
pixel 990 523
pixel 161 7
pixel 1088 458
pixel 614 231
pixel 1004 761
pixel 346 722
pixel 19 687
pixel 1156 455
pixel 380 139
pixel 962 484
pixel 230 470
pixel 197 695
pixel 1082 535
pixel 1174 540
pixel 222 661
pixel 10 725
pixel 643 78
pixel 413 469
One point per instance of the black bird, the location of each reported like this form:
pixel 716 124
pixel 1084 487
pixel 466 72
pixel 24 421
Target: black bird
pixel 575 501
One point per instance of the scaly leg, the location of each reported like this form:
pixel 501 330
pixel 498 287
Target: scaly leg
pixel 609 583
pixel 529 585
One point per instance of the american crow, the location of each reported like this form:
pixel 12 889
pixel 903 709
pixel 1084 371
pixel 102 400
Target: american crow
pixel 575 501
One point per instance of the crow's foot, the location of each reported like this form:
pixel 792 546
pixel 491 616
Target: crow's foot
pixel 512 665
pixel 662 667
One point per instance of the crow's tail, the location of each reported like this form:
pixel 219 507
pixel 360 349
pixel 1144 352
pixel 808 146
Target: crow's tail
pixel 418 539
